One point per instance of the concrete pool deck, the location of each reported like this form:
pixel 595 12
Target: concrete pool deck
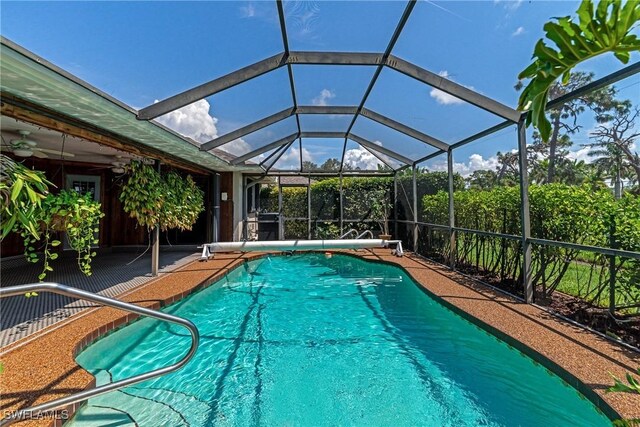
pixel 42 367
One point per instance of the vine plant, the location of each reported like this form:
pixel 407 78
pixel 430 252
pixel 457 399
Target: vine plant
pixel 21 191
pixel 168 201
pixel 68 211
pixel 30 210
pixel 605 28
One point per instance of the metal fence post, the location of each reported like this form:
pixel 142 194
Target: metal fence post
pixel 612 267
pixel 244 208
pixel 452 222
pixel 395 205
pixel 525 220
pixel 341 208
pixel 155 240
pixel 309 208
pixel 280 213
pixel 415 210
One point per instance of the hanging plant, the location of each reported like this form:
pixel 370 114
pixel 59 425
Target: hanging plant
pixel 21 191
pixel 69 212
pixel 30 210
pixel 143 194
pixel 193 203
pixel 169 201
pixel 607 28
pixel 183 203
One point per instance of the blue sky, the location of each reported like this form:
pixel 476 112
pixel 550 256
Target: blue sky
pixel 140 52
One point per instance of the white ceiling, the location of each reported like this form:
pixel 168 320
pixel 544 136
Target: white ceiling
pixel 83 150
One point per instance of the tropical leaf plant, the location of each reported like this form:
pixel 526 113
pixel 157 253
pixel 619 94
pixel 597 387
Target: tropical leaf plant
pixel 600 29
pixel 70 212
pixel 619 386
pixel 21 191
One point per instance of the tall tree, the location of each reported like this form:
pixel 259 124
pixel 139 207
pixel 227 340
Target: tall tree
pixel 330 165
pixel 482 179
pixel 309 166
pixel 564 118
pixel 614 139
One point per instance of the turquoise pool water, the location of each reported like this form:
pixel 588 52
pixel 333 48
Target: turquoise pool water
pixel 310 341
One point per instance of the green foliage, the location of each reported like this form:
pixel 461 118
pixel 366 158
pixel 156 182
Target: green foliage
pixel 143 194
pixel 558 212
pixel 21 191
pixel 619 386
pixel 325 230
pixel 366 200
pixel 76 215
pixel 169 201
pixel 601 29
pixel 183 202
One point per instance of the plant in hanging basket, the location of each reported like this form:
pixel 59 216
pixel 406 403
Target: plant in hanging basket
pixel 168 201
pixel 76 215
pixel 21 191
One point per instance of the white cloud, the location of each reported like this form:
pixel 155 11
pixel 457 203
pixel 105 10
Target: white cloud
pixel 444 98
pixel 509 5
pixel 323 97
pixel 581 154
pixel 248 11
pixel 192 121
pixel 476 162
pixel 237 147
pixel 361 158
pixel 291 159
pixel 195 122
pixel 519 31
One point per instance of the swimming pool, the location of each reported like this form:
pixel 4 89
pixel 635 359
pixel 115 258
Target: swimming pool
pixel 307 341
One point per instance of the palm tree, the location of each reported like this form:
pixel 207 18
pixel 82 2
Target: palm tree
pixel 614 141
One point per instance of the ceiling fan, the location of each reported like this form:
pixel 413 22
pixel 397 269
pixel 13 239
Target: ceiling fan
pixel 118 166
pixel 24 147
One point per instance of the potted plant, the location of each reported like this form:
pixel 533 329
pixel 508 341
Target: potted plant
pixel 381 211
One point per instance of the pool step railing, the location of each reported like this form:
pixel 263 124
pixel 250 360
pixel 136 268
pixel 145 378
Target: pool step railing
pixel 364 233
pixel 358 236
pixel 36 412
pixel 348 233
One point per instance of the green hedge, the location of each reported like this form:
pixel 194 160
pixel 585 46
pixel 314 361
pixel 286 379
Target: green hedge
pixel 558 212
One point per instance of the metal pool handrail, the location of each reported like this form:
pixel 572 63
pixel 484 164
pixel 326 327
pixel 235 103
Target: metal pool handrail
pixel 56 288
pixel 364 233
pixel 348 233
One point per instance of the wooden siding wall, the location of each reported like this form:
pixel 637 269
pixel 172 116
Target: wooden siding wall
pixel 117 228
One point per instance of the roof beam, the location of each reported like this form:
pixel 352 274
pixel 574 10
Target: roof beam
pixel 385 56
pixel 246 130
pixel 334 58
pixel 482 134
pixel 322 135
pixel 275 153
pixel 453 88
pixel 285 43
pixel 277 157
pixel 368 144
pixel 264 149
pixel 325 109
pixel 214 86
pixel 376 117
pixel 325 173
